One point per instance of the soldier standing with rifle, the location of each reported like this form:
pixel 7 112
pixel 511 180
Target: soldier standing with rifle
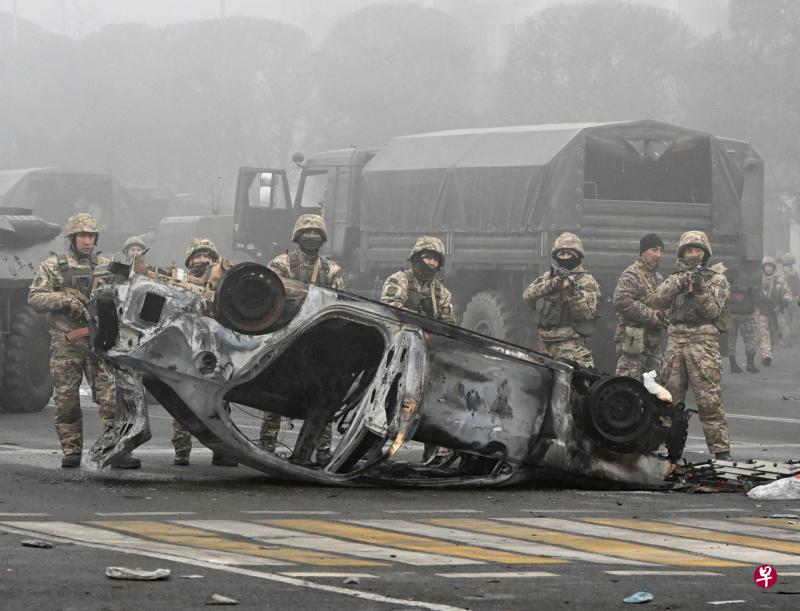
pixel 306 265
pixel 564 301
pixel 694 297
pixel 639 323
pixel 792 279
pixel 61 289
pixel 775 296
pixel 742 306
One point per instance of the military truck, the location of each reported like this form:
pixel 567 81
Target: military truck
pixel 26 239
pixel 498 197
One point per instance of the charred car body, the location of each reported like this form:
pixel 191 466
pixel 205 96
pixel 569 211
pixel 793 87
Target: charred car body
pixel 383 376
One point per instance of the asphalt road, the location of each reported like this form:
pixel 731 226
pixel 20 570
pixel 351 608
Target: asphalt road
pixel 278 545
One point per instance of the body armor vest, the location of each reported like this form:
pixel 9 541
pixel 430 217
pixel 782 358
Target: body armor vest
pixel 551 312
pixel 78 278
pixel 742 302
pixel 304 273
pixel 423 304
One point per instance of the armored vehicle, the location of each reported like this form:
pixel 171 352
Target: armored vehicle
pixel 498 197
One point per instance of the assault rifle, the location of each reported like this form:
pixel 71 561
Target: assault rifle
pixel 568 278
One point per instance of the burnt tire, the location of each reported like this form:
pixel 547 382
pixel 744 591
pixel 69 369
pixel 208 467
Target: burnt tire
pixel 489 313
pixel 27 383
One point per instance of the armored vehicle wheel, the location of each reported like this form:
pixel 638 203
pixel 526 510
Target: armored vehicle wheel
pixel 27 384
pixel 489 313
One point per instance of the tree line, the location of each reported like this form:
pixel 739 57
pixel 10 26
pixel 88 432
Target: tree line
pixel 178 106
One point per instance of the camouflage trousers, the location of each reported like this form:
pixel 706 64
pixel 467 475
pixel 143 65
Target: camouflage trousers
pixel 69 361
pixel 182 439
pixel 271 426
pixel 764 331
pixel 634 365
pixel 744 325
pixel 573 349
pixel 695 361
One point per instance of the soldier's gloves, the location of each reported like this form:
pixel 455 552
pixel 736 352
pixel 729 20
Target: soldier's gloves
pixel 555 284
pixel 697 284
pixel 77 309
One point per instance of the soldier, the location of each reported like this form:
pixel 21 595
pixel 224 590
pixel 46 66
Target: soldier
pixel 741 307
pixel 417 289
pixel 792 279
pixel 61 289
pixel 306 265
pixel 565 303
pixel 639 324
pixel 200 254
pixel 694 297
pixel 134 248
pixel 775 296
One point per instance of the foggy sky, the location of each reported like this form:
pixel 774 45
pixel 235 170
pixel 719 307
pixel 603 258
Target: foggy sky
pixel 77 18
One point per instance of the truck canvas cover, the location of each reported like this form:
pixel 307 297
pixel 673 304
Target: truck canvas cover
pixel 536 178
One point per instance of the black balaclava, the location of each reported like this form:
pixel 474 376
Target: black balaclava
pixel 422 270
pixel 310 245
pixel 199 269
pixel 568 264
pixel 693 261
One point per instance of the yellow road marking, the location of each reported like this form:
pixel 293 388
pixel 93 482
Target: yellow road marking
pixel 195 537
pixel 398 540
pixel 702 534
pixel 596 545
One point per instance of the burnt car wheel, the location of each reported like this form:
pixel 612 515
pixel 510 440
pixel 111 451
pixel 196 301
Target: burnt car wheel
pixel 28 385
pixel 621 411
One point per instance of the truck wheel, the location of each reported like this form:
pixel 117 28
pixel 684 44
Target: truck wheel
pixel 26 372
pixel 489 313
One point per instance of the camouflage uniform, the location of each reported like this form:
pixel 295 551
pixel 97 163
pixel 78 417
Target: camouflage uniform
pixel 60 289
pixel 181 438
pixel 311 268
pixel 775 295
pixel 410 290
pixel 565 317
pixel 418 290
pixel 741 309
pixel 694 302
pixel 638 333
pixel 133 240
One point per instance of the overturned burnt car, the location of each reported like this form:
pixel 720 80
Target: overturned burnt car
pixel 382 376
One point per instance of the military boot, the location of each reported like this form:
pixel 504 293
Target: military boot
pixel 751 363
pixel 71 461
pixel 126 461
pixel 734 365
pixel 181 460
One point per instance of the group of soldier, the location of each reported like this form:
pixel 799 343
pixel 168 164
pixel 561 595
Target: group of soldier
pixel 689 305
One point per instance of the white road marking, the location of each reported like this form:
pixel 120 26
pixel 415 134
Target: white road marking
pixel 24 515
pixel 675 573
pixel 506 544
pixel 724 551
pixel 509 575
pixel 291 538
pixel 432 511
pixel 563 511
pixel 301 513
pixel 353 593
pixel 788 574
pixel 740 528
pixel 764 418
pixel 144 513
pixel 332 575
pixel 76 533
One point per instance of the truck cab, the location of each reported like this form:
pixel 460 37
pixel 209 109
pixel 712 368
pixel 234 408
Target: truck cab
pixel 330 185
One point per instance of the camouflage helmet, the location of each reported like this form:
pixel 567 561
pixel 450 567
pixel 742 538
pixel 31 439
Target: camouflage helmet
pixel 695 238
pixel 430 244
pixel 197 245
pixel 134 240
pixel 309 221
pixel 787 259
pixel 769 261
pixel 568 241
pixel 82 222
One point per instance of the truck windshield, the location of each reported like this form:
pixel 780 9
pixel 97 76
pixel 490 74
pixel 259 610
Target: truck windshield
pixel 314 187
